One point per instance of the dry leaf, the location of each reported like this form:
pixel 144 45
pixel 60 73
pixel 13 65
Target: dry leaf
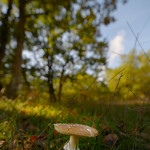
pixel 33 138
pixel 36 142
pixel 110 139
pixel 2 143
pixel 55 133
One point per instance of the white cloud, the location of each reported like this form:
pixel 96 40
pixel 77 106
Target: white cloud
pixel 116 47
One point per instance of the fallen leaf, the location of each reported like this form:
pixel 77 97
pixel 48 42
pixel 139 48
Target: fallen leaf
pixel 2 143
pixel 110 139
pixel 55 133
pixel 36 142
pixel 33 138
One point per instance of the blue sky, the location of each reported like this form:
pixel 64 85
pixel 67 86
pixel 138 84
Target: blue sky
pixel 119 35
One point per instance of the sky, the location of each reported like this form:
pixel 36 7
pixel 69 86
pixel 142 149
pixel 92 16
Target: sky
pixel 120 35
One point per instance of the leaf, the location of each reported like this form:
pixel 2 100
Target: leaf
pixel 36 142
pixel 33 138
pixel 110 139
pixel 2 143
pixel 55 133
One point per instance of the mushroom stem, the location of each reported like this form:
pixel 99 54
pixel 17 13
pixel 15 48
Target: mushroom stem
pixel 72 144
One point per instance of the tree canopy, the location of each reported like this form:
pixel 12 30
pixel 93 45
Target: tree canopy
pixel 51 40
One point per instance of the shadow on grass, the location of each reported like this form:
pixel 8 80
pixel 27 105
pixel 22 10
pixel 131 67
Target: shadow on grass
pixel 20 129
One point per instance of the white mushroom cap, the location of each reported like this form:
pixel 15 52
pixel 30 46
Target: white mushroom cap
pixel 76 130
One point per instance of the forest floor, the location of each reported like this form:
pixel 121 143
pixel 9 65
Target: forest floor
pixel 28 125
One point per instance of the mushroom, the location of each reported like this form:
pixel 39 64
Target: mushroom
pixel 75 131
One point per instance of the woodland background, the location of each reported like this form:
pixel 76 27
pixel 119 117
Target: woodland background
pixel 53 68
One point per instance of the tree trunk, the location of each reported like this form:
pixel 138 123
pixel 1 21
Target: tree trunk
pixel 50 77
pixel 16 70
pixel 51 88
pixel 27 83
pixel 61 83
pixel 4 34
pixel 5 31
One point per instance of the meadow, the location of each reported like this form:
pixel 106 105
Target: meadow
pixel 29 125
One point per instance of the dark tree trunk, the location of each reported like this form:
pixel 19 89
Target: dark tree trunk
pixel 61 83
pixel 16 70
pixel 5 31
pixel 27 83
pixel 4 34
pixel 50 77
pixel 51 88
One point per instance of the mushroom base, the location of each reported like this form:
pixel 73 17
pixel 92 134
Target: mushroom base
pixel 72 144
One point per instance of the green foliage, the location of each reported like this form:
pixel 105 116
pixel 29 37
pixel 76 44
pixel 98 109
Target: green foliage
pixel 85 89
pixel 134 73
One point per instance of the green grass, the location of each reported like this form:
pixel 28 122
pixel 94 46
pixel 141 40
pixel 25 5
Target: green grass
pixel 29 125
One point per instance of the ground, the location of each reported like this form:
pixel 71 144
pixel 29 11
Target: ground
pixel 28 125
